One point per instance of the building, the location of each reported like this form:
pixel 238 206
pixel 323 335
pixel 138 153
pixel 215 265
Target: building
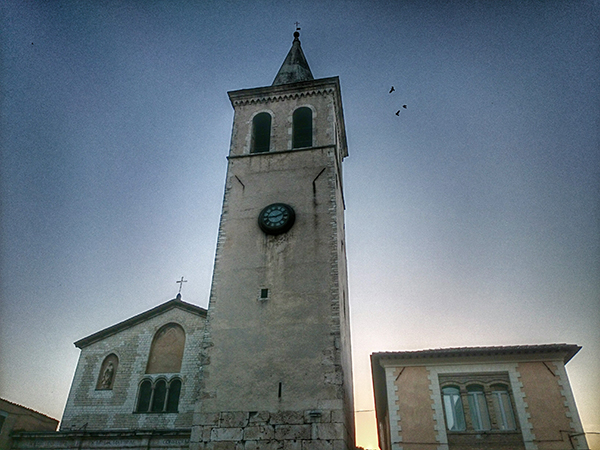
pixel 17 418
pixel 516 397
pixel 268 366
pixel 140 373
pixel 276 359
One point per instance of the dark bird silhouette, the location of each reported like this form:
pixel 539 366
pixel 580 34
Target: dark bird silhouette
pixel 404 106
pixel 398 112
pixel 392 89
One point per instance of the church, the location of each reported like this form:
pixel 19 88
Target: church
pixel 268 365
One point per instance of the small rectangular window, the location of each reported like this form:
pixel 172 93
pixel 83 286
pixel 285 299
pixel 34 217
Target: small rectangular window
pixel 264 294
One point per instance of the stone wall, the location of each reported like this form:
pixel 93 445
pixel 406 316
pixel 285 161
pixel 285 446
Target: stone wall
pixel 263 430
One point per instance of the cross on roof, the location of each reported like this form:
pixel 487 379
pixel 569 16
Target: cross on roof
pixel 297 25
pixel 180 282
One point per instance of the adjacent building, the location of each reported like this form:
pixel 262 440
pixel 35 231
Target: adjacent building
pixel 514 397
pixel 17 418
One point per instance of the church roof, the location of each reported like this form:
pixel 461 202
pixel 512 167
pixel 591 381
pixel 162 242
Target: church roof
pixel 156 311
pixel 295 67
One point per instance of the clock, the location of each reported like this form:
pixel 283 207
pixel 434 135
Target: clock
pixel 276 218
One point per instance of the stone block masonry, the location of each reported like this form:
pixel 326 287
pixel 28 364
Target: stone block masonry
pixel 264 430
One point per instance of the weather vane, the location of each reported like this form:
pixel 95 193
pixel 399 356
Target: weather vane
pixel 180 282
pixel 297 26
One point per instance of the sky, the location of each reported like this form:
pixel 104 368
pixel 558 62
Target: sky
pixel 472 217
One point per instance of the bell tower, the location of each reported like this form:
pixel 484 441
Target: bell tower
pixel 276 358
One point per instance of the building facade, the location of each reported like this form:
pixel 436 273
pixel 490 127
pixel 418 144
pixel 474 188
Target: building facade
pixel 515 397
pixel 269 366
pixel 140 373
pixel 135 386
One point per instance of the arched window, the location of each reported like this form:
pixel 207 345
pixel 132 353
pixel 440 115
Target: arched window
pixel 480 417
pixel 261 133
pixel 108 370
pixel 159 396
pixel 166 352
pixel 455 416
pixel 173 397
pixel 302 128
pixel 502 407
pixel 144 396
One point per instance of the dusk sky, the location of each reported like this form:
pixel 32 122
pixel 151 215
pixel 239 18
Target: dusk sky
pixel 472 217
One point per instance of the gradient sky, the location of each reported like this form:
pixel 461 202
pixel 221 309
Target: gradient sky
pixel 472 217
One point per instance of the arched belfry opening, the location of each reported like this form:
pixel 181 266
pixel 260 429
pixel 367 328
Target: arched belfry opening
pixel 302 128
pixel 261 133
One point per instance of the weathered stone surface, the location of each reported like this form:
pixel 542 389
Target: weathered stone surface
pixel 256 417
pixel 206 432
pixel 264 445
pixel 224 445
pixel 312 416
pixel 339 445
pixel 226 434
pixel 334 378
pixel 292 444
pixel 258 433
pixel 206 419
pixel 329 430
pixel 233 419
pixel 337 415
pixel 292 432
pixel 287 418
pixel 316 445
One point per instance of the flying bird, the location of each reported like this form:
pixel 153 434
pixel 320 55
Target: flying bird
pixel 398 112
pixel 392 89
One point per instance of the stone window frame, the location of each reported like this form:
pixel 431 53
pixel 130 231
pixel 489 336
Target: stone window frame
pixel 488 381
pixel 149 406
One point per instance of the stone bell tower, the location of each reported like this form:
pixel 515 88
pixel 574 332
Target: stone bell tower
pixel 277 370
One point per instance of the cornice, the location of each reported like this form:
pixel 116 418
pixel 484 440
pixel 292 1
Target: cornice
pixel 268 94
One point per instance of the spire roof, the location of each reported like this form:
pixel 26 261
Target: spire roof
pixel 294 67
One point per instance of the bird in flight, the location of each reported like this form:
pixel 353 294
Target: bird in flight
pixel 392 89
pixel 398 112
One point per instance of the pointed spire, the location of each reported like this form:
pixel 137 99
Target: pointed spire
pixel 294 68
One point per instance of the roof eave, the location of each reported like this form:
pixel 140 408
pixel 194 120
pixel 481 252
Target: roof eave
pixel 142 317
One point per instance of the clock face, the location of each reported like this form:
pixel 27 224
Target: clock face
pixel 276 218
